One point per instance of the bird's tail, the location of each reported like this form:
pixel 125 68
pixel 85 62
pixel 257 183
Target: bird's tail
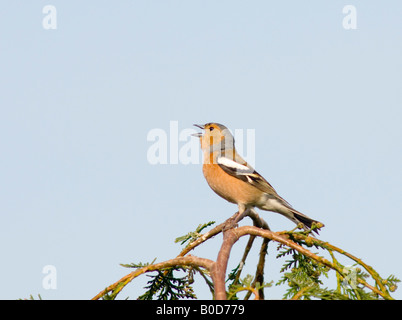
pixel 277 204
pixel 307 222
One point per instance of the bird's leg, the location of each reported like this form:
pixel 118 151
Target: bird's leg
pixel 243 211
pixel 239 215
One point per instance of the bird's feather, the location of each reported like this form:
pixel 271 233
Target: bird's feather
pixel 243 171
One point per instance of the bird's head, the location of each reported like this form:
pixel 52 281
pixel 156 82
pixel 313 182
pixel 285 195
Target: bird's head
pixel 215 137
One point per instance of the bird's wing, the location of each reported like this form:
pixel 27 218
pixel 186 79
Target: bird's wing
pixel 241 170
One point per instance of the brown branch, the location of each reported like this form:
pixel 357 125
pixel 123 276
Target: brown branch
pixel 231 234
pixel 259 273
pixel 218 271
pixel 211 233
pixel 258 222
pixel 299 294
pixel 243 259
pixel 281 238
pixel 179 261
pixel 278 237
pixel 383 291
pixel 250 290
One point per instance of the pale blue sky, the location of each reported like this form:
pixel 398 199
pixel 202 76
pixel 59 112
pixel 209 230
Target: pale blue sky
pixel 76 105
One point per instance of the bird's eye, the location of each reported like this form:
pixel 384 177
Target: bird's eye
pixel 211 128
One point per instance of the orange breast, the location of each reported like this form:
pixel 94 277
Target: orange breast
pixel 230 188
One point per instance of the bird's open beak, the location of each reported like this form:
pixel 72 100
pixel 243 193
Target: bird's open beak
pixel 198 134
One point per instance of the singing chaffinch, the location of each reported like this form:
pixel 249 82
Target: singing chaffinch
pixel 232 178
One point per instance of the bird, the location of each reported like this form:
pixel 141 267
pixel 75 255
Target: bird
pixel 236 181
